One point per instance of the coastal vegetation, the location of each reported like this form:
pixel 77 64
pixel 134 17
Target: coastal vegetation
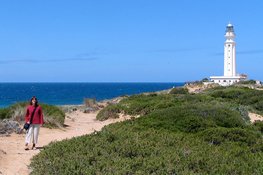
pixel 54 116
pixel 253 99
pixel 176 133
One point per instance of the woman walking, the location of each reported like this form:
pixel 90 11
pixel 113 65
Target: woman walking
pixel 34 116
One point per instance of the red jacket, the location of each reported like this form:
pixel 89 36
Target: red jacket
pixel 38 115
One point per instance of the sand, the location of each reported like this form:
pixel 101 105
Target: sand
pixel 14 160
pixel 254 117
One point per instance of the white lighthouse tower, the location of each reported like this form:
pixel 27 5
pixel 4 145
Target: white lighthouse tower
pixel 230 75
pixel 230 52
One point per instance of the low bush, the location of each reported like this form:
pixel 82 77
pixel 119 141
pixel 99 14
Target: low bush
pixel 17 111
pixel 53 116
pixel 167 108
pixel 111 111
pixel 192 118
pixel 179 91
pixel 138 105
pixel 220 135
pixel 231 93
pixel 259 125
pixel 247 82
pixel 3 113
pixel 240 95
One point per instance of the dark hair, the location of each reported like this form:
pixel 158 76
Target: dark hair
pixel 34 97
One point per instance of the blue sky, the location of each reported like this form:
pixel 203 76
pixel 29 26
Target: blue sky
pixel 126 40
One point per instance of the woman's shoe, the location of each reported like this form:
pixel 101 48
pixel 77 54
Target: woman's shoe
pixel 26 147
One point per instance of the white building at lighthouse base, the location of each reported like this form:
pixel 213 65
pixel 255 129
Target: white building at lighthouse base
pixel 227 80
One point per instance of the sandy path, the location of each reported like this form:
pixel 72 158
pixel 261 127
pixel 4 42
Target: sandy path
pixel 14 160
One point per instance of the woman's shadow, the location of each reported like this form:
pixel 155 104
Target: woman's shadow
pixel 40 147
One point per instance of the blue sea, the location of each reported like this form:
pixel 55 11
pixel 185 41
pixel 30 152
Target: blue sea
pixel 73 93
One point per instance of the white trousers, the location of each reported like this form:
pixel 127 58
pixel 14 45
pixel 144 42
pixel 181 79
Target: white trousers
pixel 33 131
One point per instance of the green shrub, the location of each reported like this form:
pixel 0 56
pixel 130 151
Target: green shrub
pixel 174 119
pixel 111 111
pixel 192 118
pixel 217 136
pixel 145 104
pixel 179 91
pixel 229 94
pixel 259 125
pixel 240 95
pixel 247 82
pixel 205 80
pixel 259 105
pixel 243 111
pixel 17 111
pixel 53 116
pixel 3 113
pixel 191 124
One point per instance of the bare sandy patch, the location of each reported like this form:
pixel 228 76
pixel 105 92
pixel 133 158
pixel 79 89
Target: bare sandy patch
pixel 253 117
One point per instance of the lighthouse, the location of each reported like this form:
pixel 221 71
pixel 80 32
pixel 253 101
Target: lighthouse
pixel 230 52
pixel 230 76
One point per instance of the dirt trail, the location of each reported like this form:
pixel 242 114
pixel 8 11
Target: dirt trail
pixel 14 160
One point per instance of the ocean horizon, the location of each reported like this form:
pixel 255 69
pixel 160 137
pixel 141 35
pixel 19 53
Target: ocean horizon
pixel 74 93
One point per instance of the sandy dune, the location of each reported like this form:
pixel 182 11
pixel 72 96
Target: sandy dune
pixel 14 160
